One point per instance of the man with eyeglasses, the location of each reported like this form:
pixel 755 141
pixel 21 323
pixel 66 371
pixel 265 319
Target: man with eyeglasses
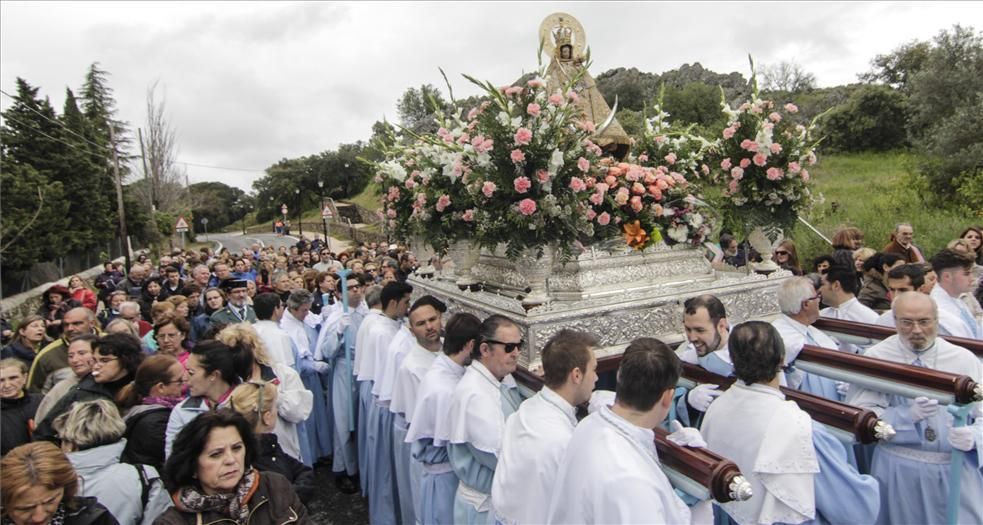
pixel 955 281
pixel 237 310
pixel 798 301
pixel 483 399
pixel 913 467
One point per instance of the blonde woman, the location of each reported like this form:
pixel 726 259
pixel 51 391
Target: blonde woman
pixel 294 401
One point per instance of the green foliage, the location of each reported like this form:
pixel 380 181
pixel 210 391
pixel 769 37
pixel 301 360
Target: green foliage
pixel 33 216
pixel 216 202
pixel 418 107
pixel 896 68
pixel 872 119
pixel 695 103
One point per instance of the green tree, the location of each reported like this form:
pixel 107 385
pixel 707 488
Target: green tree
pixel 33 217
pixel 694 103
pixel 873 118
pixel 896 68
pixel 417 108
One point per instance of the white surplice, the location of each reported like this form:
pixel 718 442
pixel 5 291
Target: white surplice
pixel 955 318
pixel 432 413
pixel 387 363
pixel 276 340
pixel 364 355
pixel 852 310
pixel 770 439
pixel 476 410
pixel 610 473
pixel 533 444
pixel 408 379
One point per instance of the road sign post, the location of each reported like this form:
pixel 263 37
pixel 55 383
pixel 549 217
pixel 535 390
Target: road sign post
pixel 326 216
pixel 181 226
pixel 204 223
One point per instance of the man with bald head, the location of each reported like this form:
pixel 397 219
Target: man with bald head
pixel 54 357
pixel 913 467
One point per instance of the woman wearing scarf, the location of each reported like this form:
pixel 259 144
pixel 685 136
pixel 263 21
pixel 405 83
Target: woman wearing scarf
pixel 211 477
pixel 156 389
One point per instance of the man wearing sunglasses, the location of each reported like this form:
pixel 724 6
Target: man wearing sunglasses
pixel 483 399
pixel 798 301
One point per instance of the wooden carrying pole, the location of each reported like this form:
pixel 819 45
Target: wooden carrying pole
pixel 718 475
pixel 865 334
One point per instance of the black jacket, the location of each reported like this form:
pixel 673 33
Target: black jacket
pixel 86 390
pixel 16 419
pixel 87 511
pixel 273 502
pixel 145 429
pixel 271 458
pixel 18 351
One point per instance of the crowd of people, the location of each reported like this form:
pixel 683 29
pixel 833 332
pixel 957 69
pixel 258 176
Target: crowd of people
pixel 206 388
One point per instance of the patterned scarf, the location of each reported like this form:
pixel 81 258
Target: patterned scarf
pixel 232 505
pixel 169 402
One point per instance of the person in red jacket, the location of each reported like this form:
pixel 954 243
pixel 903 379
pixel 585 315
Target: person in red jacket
pixel 81 293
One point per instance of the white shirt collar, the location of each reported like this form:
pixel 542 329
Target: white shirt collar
pixel 556 400
pixel 644 437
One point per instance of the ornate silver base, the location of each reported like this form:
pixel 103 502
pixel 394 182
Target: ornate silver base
pixel 616 296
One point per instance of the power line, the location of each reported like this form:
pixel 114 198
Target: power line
pixel 66 128
pixel 69 144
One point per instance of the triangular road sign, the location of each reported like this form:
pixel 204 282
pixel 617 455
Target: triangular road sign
pixel 182 225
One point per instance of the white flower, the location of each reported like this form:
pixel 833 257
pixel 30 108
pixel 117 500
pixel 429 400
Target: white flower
pixel 516 122
pixel 678 233
pixel 696 220
pixel 394 170
pixel 556 161
pixel 503 118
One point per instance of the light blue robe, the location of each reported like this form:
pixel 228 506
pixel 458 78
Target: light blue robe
pixel 711 363
pixel 383 503
pixel 365 405
pixel 842 494
pixel 436 489
pixel 475 469
pixel 343 390
pixel 401 472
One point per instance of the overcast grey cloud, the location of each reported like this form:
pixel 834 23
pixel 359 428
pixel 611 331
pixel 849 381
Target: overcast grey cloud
pixel 247 84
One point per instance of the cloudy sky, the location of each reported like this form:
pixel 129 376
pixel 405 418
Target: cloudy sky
pixel 247 84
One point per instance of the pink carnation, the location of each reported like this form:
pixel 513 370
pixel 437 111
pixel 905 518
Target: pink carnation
pixel 725 164
pixel 468 215
pixel 513 90
pixel 745 163
pixel 522 184
pixel 732 186
pixel 391 213
pixel 604 219
pixel 523 136
pixel 442 203
pixel 488 188
pixel 774 174
pixel 556 100
pixel 791 108
pixel 737 173
pixel 774 117
pixel 517 156
pixel 583 164
pixel 533 109
pixel 572 95
pixel 643 158
pixel 543 176
pixel 527 207
pixel 671 158
pixel 602 187
pixel 535 83
pixel 473 113
pixel 760 159
pixel 775 148
pixel 749 145
pixel 576 184
pixel 596 198
pixel 729 132
pixel 636 204
pixel 410 184
pixel 793 167
pixel 481 144
pixel 805 175
pixel 622 196
pixel 591 214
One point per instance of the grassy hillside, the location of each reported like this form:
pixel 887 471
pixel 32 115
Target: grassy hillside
pixel 370 197
pixel 873 191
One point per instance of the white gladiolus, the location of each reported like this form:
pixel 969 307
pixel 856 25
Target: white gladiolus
pixel 393 170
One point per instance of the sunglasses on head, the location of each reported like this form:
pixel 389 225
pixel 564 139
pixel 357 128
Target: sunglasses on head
pixel 509 347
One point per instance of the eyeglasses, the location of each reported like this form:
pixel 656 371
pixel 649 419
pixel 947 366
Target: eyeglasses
pixel 105 360
pixel 179 381
pixel 509 347
pixel 813 298
pixel 910 323
pixel 781 252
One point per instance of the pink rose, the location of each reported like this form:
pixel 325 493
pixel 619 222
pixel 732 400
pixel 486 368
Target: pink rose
pixel 638 189
pixel 805 175
pixel 725 164
pixel 468 215
pixel 745 163
pixel 793 167
pixel 522 184
pixel 488 188
pixel 774 174
pixel 543 176
pixel 523 136
pixel 517 156
pixel 732 186
pixel 775 148
pixel 791 108
pixel 602 187
pixel 533 109
pixel 729 132
pixel 591 214
pixel 442 203
pixel 527 207
pixel 604 219
pixel 774 117
pixel 576 184
pixel 760 159
pixel 643 158
pixel 583 164
pixel 556 100
pixel 622 196
pixel 636 204
pixel 671 159
pixel 596 198
pixel 610 180
pixel 737 173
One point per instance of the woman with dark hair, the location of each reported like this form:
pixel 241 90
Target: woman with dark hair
pixel 81 293
pixel 149 297
pixel 214 369
pixel 973 236
pixel 214 301
pixel 874 292
pixel 115 361
pixel 171 333
pixel 27 340
pixel 39 486
pixel 156 389
pixel 212 478
pixel 846 240
pixel 17 406
pixel 55 302
pixel 325 284
pixel 787 257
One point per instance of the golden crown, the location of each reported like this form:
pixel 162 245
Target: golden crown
pixel 563 36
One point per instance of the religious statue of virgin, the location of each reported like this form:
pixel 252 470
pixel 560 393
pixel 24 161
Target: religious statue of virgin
pixel 562 36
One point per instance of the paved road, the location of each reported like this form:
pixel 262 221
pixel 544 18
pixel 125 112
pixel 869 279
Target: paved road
pixel 237 242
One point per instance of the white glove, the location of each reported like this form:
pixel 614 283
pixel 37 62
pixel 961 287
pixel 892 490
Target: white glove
pixel 321 366
pixel 685 436
pixel 701 396
pixel 344 322
pixel 922 408
pixel 962 438
pixel 842 388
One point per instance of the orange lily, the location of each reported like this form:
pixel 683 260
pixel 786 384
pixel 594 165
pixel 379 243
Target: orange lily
pixel 635 235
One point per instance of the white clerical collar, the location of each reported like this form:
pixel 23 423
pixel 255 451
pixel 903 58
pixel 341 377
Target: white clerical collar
pixel 557 401
pixel 451 364
pixel 485 373
pixel 643 437
pixel 761 389
pixel 846 305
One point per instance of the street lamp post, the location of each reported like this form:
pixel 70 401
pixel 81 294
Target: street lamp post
pixel 300 213
pixel 320 193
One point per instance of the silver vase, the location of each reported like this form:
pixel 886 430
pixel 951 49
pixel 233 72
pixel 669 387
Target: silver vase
pixel 464 255
pixel 536 268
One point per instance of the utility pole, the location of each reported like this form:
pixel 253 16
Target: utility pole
pixel 119 197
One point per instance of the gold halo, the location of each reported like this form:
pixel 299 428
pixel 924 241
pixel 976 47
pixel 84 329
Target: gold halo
pixel 555 20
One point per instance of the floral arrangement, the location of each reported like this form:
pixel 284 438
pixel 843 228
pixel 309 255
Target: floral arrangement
pixel 763 158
